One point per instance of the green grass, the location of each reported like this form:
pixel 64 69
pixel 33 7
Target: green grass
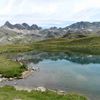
pixel 88 45
pixel 10 68
pixel 15 48
pixel 10 93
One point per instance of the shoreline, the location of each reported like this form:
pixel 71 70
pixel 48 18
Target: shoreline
pixel 38 93
pixel 24 75
pixel 43 89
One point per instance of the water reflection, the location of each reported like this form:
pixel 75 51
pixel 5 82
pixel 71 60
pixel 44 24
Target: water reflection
pixel 37 57
pixel 65 71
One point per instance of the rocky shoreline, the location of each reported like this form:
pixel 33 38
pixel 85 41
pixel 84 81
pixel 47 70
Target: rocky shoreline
pixel 41 89
pixel 25 74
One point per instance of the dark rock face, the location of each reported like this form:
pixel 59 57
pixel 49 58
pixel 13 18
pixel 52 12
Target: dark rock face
pixel 9 25
pixel 34 27
pixel 18 26
pixel 26 26
pixel 22 26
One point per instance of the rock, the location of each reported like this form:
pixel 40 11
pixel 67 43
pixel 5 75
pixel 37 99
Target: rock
pixel 8 24
pixel 10 79
pixel 0 75
pixel 35 68
pixel 26 73
pixel 21 63
pixel 23 88
pixel 3 79
pixel 26 26
pixel 60 92
pixel 17 99
pixel 42 89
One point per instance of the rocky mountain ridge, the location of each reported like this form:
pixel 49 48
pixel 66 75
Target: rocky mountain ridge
pixel 24 33
pixel 21 26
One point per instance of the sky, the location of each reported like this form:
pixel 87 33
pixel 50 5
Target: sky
pixel 48 13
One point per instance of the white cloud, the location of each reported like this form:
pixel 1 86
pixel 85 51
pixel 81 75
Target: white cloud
pixel 87 15
pixel 48 10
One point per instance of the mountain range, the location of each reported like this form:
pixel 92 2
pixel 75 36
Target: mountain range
pixel 24 33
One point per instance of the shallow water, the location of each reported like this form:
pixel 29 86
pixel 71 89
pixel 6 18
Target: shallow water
pixel 62 71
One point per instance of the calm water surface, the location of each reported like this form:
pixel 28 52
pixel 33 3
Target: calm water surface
pixel 62 71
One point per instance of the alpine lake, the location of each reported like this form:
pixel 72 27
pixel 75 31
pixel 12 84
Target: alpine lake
pixel 70 72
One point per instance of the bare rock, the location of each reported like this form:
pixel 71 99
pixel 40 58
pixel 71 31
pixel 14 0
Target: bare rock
pixel 60 92
pixel 42 89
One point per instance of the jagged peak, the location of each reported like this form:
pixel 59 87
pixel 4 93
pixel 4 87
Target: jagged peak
pixel 25 24
pixel 21 26
pixel 7 23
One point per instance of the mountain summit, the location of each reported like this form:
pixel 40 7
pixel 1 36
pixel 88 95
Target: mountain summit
pixel 85 25
pixel 8 24
pixel 21 26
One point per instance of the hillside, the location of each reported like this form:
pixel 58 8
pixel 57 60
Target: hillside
pixel 90 45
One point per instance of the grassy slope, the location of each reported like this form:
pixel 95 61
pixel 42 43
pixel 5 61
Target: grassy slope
pixel 10 68
pixel 15 48
pixel 90 45
pixel 9 93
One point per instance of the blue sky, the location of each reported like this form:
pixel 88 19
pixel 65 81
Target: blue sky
pixel 49 12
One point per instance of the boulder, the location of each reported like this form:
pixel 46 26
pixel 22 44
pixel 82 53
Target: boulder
pixel 42 89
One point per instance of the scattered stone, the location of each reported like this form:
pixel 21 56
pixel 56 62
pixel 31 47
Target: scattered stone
pixel 3 79
pixel 0 75
pixel 17 99
pixel 11 79
pixel 23 88
pixel 60 92
pixel 26 73
pixel 42 89
pixel 21 63
pixel 35 68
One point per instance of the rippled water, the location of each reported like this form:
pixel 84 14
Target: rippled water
pixel 69 72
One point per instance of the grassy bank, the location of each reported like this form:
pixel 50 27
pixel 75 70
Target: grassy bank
pixel 10 93
pixel 10 68
pixel 88 45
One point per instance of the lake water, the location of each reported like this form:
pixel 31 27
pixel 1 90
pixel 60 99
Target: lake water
pixel 70 72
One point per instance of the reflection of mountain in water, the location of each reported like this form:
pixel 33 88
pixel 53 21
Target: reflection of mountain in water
pixel 36 57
